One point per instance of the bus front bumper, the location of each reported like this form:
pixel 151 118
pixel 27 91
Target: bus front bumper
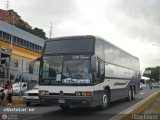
pixel 77 101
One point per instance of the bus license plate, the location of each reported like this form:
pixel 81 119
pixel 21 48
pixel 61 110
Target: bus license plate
pixel 61 101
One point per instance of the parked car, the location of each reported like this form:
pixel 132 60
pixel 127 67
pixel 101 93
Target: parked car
pixel 19 88
pixel 155 85
pixel 5 92
pixel 31 96
pixel 141 86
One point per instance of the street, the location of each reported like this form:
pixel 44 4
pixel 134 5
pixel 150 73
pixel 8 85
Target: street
pixel 42 112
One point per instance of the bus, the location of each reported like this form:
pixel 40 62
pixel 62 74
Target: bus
pixel 86 71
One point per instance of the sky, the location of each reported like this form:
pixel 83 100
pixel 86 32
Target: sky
pixel 132 25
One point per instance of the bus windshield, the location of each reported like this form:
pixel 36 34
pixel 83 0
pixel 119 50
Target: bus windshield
pixel 67 69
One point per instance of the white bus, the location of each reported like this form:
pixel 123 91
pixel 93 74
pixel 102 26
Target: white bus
pixel 86 71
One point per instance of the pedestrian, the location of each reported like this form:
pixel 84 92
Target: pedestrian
pixel 150 84
pixel 2 95
pixel 9 97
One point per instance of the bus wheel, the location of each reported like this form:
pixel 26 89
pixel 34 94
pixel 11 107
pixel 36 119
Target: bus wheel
pixel 133 94
pixel 129 98
pixel 64 107
pixel 105 100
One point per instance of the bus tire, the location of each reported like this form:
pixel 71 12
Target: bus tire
pixel 129 98
pixel 105 100
pixel 133 94
pixel 65 108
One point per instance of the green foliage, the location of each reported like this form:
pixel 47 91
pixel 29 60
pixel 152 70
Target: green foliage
pixel 155 73
pixel 36 31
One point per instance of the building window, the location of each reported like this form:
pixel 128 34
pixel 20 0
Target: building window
pixel 18 41
pixel 8 37
pixel 27 44
pixel 36 47
pixel 22 42
pixel 0 34
pixel 4 36
pixel 14 40
pixel 32 46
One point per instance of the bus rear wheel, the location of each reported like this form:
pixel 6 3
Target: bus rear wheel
pixel 133 94
pixel 129 98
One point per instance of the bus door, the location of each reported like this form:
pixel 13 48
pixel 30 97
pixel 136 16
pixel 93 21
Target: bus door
pixel 99 79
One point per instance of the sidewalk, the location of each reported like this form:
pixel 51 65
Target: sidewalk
pixel 154 107
pixel 150 105
pixel 15 100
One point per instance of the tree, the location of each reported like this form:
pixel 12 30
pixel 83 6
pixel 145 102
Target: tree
pixel 36 31
pixel 39 32
pixel 155 73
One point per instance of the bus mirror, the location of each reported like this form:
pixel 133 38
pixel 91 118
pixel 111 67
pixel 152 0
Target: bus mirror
pixel 93 63
pixel 31 65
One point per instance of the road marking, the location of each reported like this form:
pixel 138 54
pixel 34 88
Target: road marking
pixel 141 93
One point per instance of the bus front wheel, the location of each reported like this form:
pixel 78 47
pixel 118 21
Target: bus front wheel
pixel 105 100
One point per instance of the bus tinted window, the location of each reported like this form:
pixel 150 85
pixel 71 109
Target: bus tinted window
pixel 69 46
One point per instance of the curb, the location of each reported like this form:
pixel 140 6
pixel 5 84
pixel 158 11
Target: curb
pixel 136 109
pixel 14 102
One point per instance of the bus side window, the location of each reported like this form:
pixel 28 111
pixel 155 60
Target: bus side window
pixel 96 73
pixel 102 71
pixel 97 69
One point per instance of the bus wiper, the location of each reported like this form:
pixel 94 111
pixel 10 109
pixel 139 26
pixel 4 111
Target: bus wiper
pixel 69 72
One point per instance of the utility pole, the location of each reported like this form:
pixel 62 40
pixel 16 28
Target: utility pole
pixel 50 32
pixel 7 4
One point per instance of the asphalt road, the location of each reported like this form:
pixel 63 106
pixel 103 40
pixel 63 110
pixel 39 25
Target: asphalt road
pixel 39 112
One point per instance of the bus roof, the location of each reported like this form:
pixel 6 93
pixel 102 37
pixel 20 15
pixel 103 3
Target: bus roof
pixel 97 37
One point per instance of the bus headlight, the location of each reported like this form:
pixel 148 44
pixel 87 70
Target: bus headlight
pixel 43 93
pixel 87 93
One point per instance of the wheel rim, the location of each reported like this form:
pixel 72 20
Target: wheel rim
pixel 105 100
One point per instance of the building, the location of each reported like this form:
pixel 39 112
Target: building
pixel 11 17
pixel 25 47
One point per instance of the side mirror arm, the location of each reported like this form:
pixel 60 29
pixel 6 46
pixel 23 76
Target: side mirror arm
pixel 31 65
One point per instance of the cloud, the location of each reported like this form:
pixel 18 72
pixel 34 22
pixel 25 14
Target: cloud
pixel 42 13
pixel 132 25
pixel 136 19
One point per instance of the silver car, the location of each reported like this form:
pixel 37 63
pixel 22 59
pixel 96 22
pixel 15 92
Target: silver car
pixel 31 96
pixel 155 85
pixel 19 88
